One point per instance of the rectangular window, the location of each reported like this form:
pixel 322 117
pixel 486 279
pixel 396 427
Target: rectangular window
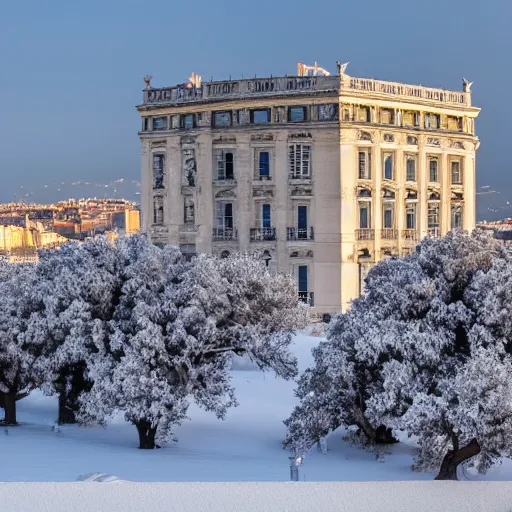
pixel 145 124
pixel 456 173
pixel 433 216
pixel 364 215
pixel 365 172
pixel 264 165
pixel 433 170
pixel 363 114
pixel 454 123
pixel 299 156
pixel 260 116
pixel 189 210
pixel 159 123
pixel 187 121
pixel 266 221
pixel 296 114
pixel 456 212
pixel 388 217
pixel 302 217
pixel 302 278
pixel 221 119
pixel 158 211
pixel 410 216
pixel 224 164
pixel 388 166
pixel 410 172
pixel 327 112
pixel 409 118
pixel 432 121
pixel 386 116
pixel 158 170
pixel 224 215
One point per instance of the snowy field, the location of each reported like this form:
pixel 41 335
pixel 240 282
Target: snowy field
pixel 258 497
pixel 244 447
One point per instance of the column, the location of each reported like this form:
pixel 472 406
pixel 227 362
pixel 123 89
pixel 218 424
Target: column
pixel 469 180
pixel 173 205
pixel 446 194
pixel 244 201
pixel 377 198
pixel 400 197
pixel 146 187
pixel 279 173
pixel 204 208
pixel 422 186
pixel 349 223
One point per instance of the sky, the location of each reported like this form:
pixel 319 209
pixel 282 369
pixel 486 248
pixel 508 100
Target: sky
pixel 72 73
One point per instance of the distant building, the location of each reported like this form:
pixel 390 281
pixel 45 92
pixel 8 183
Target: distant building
pixel 323 176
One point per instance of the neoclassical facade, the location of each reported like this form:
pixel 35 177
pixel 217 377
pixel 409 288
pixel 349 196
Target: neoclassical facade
pixel 320 175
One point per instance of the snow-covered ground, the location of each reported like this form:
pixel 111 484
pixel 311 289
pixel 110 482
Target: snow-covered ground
pixel 244 447
pixel 258 497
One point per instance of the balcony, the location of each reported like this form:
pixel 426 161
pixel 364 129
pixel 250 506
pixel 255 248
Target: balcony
pixel 224 234
pixel 389 234
pixel 365 234
pixel 307 297
pixel 262 234
pixel 410 234
pixel 300 234
pixel 434 232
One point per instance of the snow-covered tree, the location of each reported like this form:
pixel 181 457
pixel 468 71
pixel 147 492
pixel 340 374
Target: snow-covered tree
pixel 427 347
pixel 21 370
pixel 173 330
pixel 77 285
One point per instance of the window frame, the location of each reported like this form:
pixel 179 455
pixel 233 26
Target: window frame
pixel 304 114
pixel 268 111
pixel 162 158
pixel 265 220
pixel 260 165
pixel 183 117
pixel 459 172
pixel 431 160
pixel 227 113
pixel 367 207
pixel 410 159
pixel 366 172
pixel 164 126
pixel 221 164
pixel 413 212
pixel 305 161
pixel 221 220
pixel 384 166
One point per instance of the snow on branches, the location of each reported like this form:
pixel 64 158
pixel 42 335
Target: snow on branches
pixel 427 351
pixel 155 332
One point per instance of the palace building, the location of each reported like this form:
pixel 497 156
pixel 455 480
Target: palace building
pixel 320 175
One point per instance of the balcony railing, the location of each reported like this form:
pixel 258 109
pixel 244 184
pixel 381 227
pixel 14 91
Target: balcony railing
pixel 434 232
pixel 300 234
pixel 240 88
pixel 389 234
pixel 262 234
pixel 410 234
pixel 307 297
pixel 222 234
pixel 365 234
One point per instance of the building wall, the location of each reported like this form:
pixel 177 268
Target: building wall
pixel 370 117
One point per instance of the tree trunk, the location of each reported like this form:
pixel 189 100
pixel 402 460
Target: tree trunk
pixel 67 408
pixel 9 404
pixel 453 458
pixel 146 435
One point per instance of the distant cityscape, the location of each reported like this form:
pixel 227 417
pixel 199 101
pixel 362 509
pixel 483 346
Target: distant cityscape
pixel 27 228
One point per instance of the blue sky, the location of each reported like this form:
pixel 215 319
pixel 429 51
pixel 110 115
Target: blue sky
pixel 72 72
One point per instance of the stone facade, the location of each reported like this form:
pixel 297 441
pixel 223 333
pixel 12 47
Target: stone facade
pixel 319 175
